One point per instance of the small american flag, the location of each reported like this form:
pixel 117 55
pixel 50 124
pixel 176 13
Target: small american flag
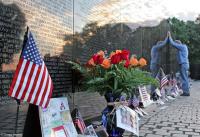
pixel 172 81
pixel 31 82
pixel 144 93
pixel 79 122
pixel 163 80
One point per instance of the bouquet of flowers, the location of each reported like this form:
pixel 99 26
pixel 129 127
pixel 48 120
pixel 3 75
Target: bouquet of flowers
pixel 116 72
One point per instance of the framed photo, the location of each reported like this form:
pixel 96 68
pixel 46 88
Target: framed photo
pixel 90 131
pixel 127 119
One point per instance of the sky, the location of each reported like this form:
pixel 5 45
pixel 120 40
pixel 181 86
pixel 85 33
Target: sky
pixel 143 12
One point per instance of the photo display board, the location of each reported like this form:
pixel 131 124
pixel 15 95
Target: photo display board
pixel 56 119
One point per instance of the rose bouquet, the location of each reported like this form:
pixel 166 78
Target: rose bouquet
pixel 116 72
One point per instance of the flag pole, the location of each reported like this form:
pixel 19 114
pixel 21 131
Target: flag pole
pixel 25 39
pixel 17 100
pixel 17 114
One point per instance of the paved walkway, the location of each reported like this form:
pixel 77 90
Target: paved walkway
pixel 178 118
pixel 8 119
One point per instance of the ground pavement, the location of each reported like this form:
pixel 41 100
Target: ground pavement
pixel 178 118
pixel 8 119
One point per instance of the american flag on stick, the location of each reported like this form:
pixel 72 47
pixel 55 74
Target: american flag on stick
pixel 78 121
pixel 31 82
pixel 164 79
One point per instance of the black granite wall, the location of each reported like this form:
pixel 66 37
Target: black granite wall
pixel 64 30
pixel 49 21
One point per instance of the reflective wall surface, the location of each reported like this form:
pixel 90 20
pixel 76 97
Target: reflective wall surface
pixel 49 21
pixel 75 29
pixel 115 24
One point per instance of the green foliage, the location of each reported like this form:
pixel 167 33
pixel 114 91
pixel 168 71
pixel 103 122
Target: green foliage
pixel 78 67
pixel 116 79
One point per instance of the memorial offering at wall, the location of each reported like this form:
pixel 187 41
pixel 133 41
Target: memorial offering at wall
pixel 127 119
pixel 145 97
pixel 56 119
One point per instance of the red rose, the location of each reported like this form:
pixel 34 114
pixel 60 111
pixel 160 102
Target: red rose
pixel 125 54
pixel 127 63
pixel 98 59
pixel 95 56
pixel 115 59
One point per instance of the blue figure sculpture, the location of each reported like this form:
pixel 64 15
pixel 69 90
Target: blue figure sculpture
pixel 155 59
pixel 182 58
pixel 155 56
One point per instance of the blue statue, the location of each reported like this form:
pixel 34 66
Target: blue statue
pixel 155 59
pixel 155 56
pixel 182 58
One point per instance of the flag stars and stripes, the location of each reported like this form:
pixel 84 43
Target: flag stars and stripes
pixel 31 52
pixel 164 81
pixel 31 82
pixel 79 122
